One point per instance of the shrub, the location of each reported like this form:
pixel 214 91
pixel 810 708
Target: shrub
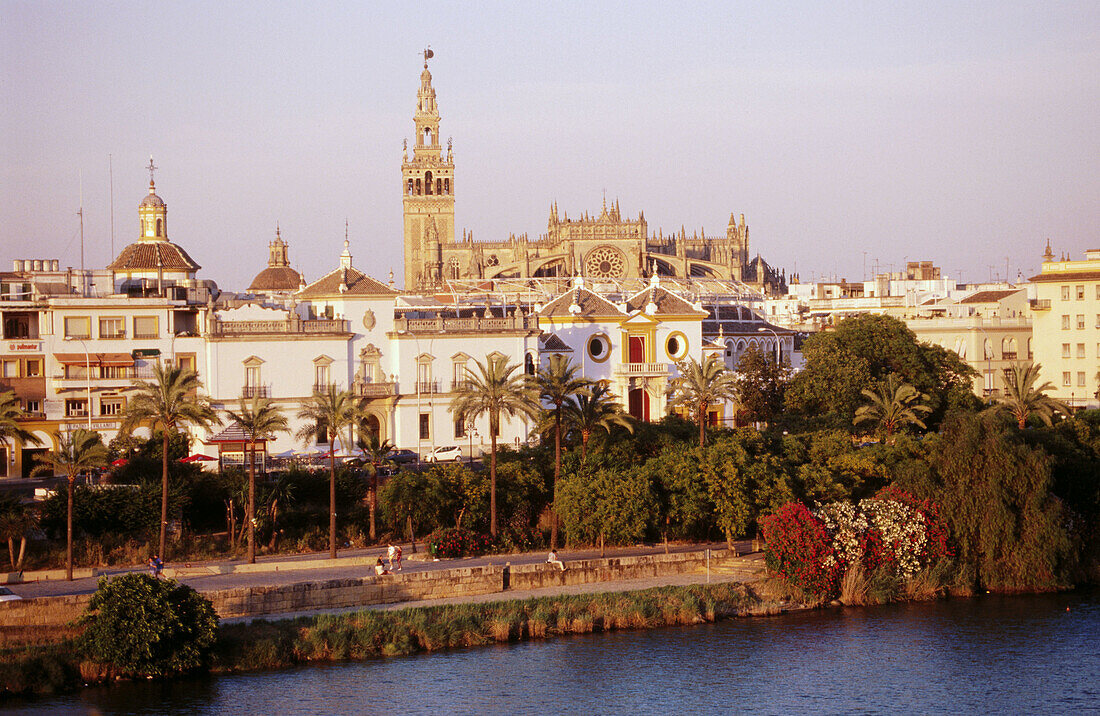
pixel 141 625
pixel 453 542
pixel 800 549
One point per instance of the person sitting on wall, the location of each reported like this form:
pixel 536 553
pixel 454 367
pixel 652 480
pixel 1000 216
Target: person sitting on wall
pixel 380 568
pixel 552 558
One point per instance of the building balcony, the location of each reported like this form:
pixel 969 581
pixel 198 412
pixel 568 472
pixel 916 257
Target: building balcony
pixel 465 325
pixel 1041 304
pixel 427 387
pixel 1008 355
pixel 291 327
pixel 256 391
pixel 374 390
pixel 638 370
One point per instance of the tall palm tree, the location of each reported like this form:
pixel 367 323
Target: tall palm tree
pixel 328 413
pixel 701 385
pixel 16 520
pixel 374 451
pixel 76 452
pixel 260 419
pixel 892 406
pixel 595 408
pixel 169 401
pixel 10 414
pixel 557 384
pixel 1022 398
pixel 494 389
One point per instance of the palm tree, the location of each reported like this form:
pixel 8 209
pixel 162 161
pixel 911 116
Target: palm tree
pixel 558 384
pixel 16 520
pixel 169 401
pixel 10 414
pixel 1022 398
pixel 701 385
pixel 893 405
pixel 280 494
pixel 76 452
pixel 328 413
pixel 259 420
pixel 595 408
pixel 494 389
pixel 374 451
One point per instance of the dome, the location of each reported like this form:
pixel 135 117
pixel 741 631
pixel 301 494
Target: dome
pixel 276 278
pixel 152 200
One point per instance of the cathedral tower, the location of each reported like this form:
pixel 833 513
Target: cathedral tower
pixel 427 187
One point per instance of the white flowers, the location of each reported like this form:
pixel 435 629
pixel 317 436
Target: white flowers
pixel 877 531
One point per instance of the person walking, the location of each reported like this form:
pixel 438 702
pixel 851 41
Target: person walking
pixel 391 552
pixel 155 566
pixel 395 560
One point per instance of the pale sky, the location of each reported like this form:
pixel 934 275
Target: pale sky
pixel 847 133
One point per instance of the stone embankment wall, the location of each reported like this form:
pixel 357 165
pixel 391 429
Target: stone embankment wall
pixel 404 587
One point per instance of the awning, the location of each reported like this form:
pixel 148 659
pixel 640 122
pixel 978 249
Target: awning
pixel 234 434
pixel 198 457
pixel 96 359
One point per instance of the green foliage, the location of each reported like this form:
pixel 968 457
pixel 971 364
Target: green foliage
pixel 145 626
pixel 761 384
pixel 99 511
pixel 893 406
pixel 700 386
pixel 616 505
pixel 863 351
pixel 995 493
pixel 828 467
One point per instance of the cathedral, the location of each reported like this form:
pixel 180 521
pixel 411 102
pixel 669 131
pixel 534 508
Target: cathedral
pixel 602 247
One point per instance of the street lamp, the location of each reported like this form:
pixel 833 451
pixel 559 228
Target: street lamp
pixel 87 376
pixel 761 329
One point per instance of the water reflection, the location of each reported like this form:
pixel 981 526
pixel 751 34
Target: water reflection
pixel 990 654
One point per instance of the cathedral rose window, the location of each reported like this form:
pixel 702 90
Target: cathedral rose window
pixel 605 262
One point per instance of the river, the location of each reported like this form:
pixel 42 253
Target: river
pixel 990 654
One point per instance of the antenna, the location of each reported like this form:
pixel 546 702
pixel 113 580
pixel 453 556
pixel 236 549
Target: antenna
pixel 111 171
pixel 80 213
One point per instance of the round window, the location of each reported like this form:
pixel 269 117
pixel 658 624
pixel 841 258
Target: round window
pixel 676 345
pixel 598 348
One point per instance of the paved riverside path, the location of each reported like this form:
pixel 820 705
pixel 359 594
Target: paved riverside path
pixel 293 569
pixel 746 568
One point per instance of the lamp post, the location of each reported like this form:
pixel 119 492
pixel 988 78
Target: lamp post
pixel 761 329
pixel 87 376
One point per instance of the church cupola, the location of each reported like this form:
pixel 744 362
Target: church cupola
pixel 153 212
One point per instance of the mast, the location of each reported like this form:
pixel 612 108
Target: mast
pixel 111 171
pixel 80 213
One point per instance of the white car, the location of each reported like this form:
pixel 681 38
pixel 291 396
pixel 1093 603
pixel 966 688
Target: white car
pixel 6 595
pixel 451 453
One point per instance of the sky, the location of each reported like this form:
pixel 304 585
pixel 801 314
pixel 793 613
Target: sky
pixel 853 136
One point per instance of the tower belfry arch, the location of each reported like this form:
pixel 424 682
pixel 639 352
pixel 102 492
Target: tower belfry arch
pixel 427 187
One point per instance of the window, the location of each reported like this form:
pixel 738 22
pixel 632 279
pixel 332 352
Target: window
pixel 114 371
pixel 1098 292
pixel 458 368
pixel 320 376
pixel 79 371
pixel 1081 379
pixel 1065 350
pixel 460 428
pixel 112 328
pixel 32 406
pixel 1065 322
pixel 146 327
pixel 599 348
pixel 425 426
pixel 33 367
pixel 76 408
pixel 187 362
pixel 110 406
pixel 1065 293
pixel 1080 321
pixel 676 345
pixel 1067 378
pixel 10 369
pixel 1080 293
pixel 78 327
pixel 1080 350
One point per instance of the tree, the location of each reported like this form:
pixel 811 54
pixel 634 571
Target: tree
pixel 374 450
pixel 145 626
pixel 15 522
pixel 761 384
pixel 169 401
pixel 11 412
pixel 558 384
pixel 863 350
pixel 893 406
pixel 260 419
pixel 701 385
pixel 1022 398
pixel 595 408
pixel 494 389
pixel 76 452
pixel 328 413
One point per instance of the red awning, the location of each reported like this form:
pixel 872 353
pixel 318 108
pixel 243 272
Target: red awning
pixel 96 359
pixel 198 457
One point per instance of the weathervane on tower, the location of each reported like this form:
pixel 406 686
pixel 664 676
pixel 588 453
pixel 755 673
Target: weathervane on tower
pixel 152 168
pixel 428 54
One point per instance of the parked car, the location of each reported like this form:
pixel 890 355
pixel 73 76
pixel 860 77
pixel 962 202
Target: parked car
pixel 6 595
pixel 401 457
pixel 451 453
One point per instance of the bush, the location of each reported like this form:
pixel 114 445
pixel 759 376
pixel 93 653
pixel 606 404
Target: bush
pixel 140 625
pixel 453 542
pixel 101 510
pixel 800 549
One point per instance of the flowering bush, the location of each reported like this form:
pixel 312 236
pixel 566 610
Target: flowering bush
pixel 800 548
pixel 892 532
pixel 452 542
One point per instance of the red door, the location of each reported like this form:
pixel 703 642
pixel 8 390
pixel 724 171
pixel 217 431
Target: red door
pixel 637 349
pixel 638 402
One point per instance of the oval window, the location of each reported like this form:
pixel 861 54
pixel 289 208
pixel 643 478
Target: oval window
pixel 597 348
pixel 676 346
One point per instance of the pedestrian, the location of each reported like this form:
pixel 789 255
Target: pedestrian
pixel 552 558
pixel 391 553
pixel 155 566
pixel 396 558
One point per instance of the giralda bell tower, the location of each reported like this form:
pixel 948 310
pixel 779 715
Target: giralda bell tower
pixel 427 187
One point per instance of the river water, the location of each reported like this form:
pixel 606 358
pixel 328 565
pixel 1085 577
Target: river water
pixel 1027 654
